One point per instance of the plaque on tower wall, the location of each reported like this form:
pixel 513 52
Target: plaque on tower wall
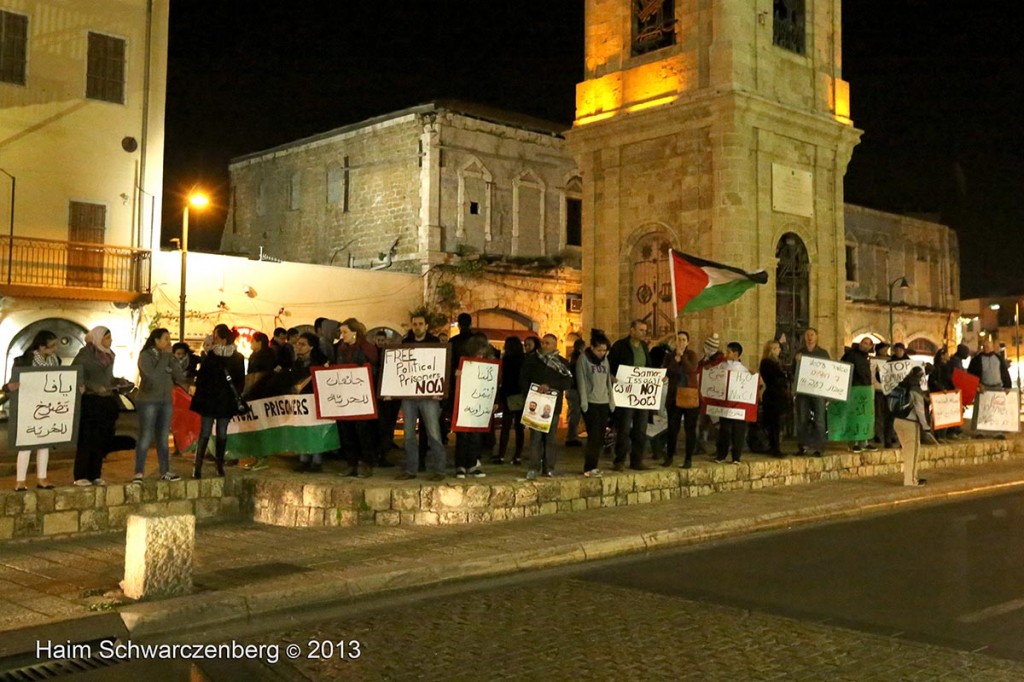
pixel 792 191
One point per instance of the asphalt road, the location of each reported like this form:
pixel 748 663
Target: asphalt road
pixel 930 594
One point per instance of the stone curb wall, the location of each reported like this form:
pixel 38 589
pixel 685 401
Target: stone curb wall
pixel 300 504
pixel 71 510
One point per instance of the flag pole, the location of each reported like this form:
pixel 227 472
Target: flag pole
pixel 672 278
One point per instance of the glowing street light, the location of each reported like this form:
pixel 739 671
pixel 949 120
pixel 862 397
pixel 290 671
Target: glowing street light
pixel 199 201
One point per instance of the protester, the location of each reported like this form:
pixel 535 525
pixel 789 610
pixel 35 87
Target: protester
pixel 358 437
pixel 775 400
pixel 387 410
pixel 299 380
pixel 683 399
pixel 188 362
pixel 549 371
pixel 992 372
pixel 531 344
pixel 158 374
pixel 630 423
pixel 594 385
pixel 705 424
pixel 100 406
pixel 883 433
pixel 810 409
pixel 282 349
pixel 426 410
pixel 572 400
pixel 327 331
pixel 858 355
pixel 940 379
pixel 262 362
pixel 42 352
pixel 731 432
pixel 918 403
pixel 469 444
pixel 510 400
pixel 219 385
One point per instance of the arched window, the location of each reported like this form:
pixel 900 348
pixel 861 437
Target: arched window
pixel 922 346
pixel 651 294
pixel 792 289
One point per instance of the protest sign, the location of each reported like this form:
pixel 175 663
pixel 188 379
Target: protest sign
pixel 539 411
pixel 344 392
pixel 417 371
pixel 731 394
pixel 827 379
pixel 967 384
pixel 947 410
pixel 46 408
pixel 286 423
pixel 853 418
pixel 893 372
pixel 714 382
pixel 727 412
pixel 638 388
pixel 475 391
pixel 997 411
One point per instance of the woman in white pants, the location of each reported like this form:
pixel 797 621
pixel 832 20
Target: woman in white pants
pixel 42 353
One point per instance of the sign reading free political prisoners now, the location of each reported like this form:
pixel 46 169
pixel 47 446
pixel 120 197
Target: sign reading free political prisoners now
pixel 46 408
pixel 475 392
pixel 638 388
pixel 827 379
pixel 419 371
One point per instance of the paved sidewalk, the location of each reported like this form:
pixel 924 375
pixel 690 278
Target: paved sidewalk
pixel 247 570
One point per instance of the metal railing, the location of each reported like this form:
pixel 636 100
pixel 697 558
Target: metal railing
pixel 52 263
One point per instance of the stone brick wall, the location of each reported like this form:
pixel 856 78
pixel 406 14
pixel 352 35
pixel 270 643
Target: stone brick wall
pixel 72 511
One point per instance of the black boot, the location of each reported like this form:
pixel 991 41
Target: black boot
pixel 201 445
pixel 221 445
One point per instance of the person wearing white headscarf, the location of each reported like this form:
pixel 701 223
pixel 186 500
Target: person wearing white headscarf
pixel 100 406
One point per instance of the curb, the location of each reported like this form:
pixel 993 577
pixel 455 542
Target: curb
pixel 180 615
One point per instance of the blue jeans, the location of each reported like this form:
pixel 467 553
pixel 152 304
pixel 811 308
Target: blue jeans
pixel 429 414
pixel 154 422
pixel 810 431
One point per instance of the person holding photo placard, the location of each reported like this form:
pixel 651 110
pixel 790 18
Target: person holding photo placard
pixel 42 352
pixel 549 371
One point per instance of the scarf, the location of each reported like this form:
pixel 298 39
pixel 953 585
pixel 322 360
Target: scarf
pixel 555 362
pixel 44 360
pixel 94 342
pixel 225 351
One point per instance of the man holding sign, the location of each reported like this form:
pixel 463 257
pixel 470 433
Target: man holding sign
pixel 549 371
pixel 630 422
pixel 993 374
pixel 810 409
pixel 426 410
pixel 733 431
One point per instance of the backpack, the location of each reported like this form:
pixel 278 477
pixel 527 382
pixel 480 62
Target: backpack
pixel 900 404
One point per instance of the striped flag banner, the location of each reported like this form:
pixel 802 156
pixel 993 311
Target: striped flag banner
pixel 699 284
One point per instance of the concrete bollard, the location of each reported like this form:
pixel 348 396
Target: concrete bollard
pixel 158 555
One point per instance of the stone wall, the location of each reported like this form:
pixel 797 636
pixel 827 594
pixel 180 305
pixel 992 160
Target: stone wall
pixel 305 503
pixel 75 511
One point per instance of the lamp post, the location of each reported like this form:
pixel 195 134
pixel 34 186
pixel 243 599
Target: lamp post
pixel 199 201
pixel 902 283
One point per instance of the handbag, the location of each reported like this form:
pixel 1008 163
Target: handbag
pixel 241 407
pixel 687 398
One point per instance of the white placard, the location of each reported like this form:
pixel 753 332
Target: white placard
pixel 726 412
pixel 792 191
pixel 946 409
pixel 539 410
pixel 475 395
pixel 415 372
pixel 827 379
pixel 638 388
pixel 344 392
pixel 893 372
pixel 742 387
pixel 45 408
pixel 714 382
pixel 998 411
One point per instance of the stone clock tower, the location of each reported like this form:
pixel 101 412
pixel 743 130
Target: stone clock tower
pixel 720 128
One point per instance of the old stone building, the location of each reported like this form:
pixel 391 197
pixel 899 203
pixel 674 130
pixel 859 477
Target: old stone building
pixel 720 129
pixel 444 189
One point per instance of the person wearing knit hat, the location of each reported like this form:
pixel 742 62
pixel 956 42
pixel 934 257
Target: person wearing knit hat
pixel 711 344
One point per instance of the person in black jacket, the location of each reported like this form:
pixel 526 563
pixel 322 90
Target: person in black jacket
pixel 510 398
pixel 630 423
pixel 220 378
pixel 775 400
pixel 549 371
pixel 857 354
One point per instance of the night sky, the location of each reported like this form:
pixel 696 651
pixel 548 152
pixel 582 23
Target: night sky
pixel 937 86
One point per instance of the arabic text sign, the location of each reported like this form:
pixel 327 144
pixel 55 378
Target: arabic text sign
pixel 824 378
pixel 344 392
pixel 946 409
pixel 892 373
pixel 997 411
pixel 46 407
pixel 638 388
pixel 731 394
pixel 475 394
pixel 736 413
pixel 714 383
pixel 415 372
pixel 854 418
pixel 539 411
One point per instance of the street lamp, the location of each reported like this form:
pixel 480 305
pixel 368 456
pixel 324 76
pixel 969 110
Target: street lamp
pixel 902 283
pixel 198 200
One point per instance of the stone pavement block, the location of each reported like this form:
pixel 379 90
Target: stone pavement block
pixel 75 498
pixel 60 522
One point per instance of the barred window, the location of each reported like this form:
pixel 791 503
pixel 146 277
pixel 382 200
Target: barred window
pixel 13 47
pixel 788 27
pixel 105 76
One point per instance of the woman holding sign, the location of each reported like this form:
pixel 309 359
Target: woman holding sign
pixel 358 437
pixel 42 352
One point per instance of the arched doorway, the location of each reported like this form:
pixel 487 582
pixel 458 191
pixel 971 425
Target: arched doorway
pixel 792 290
pixel 70 339
pixel 500 323
pixel 921 346
pixel 651 293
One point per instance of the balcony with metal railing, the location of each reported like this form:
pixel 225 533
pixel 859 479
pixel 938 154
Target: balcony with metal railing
pixel 48 268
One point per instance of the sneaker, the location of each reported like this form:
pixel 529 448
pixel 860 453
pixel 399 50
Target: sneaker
pixel 405 476
pixel 720 460
pixel 735 461
pixel 170 476
pixel 137 479
pixel 83 482
pixel 856 448
pixel 98 481
pixel 550 474
pixel 871 447
pixel 460 474
pixel 531 475
pixel 476 472
pixel 593 473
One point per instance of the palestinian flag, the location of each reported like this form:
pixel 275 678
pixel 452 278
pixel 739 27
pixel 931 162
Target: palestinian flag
pixel 699 284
